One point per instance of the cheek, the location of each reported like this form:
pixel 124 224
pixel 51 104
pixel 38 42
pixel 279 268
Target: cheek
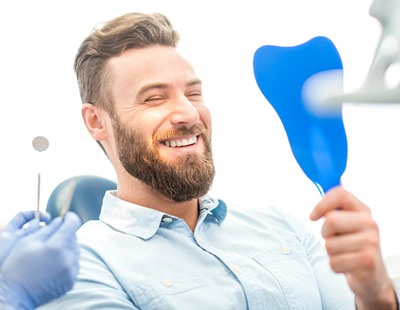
pixel 149 122
pixel 205 116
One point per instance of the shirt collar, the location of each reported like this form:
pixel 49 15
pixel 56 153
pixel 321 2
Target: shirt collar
pixel 144 222
pixel 214 208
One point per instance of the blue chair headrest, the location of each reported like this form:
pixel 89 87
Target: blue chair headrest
pixel 87 196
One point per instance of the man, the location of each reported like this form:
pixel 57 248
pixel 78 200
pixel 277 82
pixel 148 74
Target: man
pixel 161 241
pixel 37 263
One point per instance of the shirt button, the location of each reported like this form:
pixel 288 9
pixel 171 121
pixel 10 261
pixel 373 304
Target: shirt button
pixel 167 220
pixel 166 282
pixel 286 250
pixel 236 268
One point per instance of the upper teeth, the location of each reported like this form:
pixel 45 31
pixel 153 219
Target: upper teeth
pixel 183 142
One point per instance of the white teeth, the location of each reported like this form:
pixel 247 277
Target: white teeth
pixel 183 142
pixel 193 140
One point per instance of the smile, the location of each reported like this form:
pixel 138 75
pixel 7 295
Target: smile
pixel 180 142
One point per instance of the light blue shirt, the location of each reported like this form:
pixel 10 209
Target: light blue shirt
pixel 139 258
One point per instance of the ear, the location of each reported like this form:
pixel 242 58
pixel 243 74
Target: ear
pixel 95 120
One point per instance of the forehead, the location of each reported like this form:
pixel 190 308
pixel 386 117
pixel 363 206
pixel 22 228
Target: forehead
pixel 135 68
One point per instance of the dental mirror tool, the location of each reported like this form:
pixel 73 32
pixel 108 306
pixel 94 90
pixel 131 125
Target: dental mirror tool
pixel 40 144
pixel 68 198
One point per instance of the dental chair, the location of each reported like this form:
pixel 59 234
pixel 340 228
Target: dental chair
pixel 84 193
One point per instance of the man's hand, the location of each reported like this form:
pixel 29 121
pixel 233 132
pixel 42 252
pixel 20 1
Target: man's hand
pixel 353 245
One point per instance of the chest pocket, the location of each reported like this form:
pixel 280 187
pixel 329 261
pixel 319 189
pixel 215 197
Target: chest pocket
pixel 291 269
pixel 167 292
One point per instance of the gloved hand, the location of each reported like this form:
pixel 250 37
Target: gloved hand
pixel 21 225
pixel 41 266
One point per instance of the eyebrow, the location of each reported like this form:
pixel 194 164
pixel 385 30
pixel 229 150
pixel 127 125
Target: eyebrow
pixel 193 82
pixel 147 87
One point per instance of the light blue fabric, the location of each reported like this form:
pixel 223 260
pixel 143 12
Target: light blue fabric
pixel 260 258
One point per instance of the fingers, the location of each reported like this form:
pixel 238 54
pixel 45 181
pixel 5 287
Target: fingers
pixel 351 240
pixel 337 199
pixel 26 217
pixel 352 243
pixel 356 242
pixel 66 230
pixel 364 263
pixel 339 222
pixel 45 232
pixel 71 223
pixel 59 228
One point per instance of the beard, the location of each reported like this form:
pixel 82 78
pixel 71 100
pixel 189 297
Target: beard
pixel 184 179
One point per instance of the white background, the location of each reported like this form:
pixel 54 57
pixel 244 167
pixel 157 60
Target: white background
pixel 39 95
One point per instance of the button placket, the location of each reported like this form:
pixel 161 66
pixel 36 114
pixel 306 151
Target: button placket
pixel 236 268
pixel 286 250
pixel 166 282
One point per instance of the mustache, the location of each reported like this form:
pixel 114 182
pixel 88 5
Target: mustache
pixel 196 130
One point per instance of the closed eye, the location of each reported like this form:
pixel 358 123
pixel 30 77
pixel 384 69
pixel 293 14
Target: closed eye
pixel 195 95
pixel 154 100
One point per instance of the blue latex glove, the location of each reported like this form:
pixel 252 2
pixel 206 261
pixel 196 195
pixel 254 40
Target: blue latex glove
pixel 21 225
pixel 42 265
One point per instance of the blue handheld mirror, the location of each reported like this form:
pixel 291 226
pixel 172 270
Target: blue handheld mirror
pixel 318 140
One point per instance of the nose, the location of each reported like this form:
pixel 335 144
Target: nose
pixel 184 113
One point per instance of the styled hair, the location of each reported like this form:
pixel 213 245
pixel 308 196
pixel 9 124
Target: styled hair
pixel 132 30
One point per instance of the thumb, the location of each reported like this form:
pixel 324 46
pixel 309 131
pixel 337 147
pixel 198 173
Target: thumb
pixel 69 225
pixel 45 232
pixel 26 218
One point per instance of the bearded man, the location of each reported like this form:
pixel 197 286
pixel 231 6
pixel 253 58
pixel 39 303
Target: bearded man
pixel 161 241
